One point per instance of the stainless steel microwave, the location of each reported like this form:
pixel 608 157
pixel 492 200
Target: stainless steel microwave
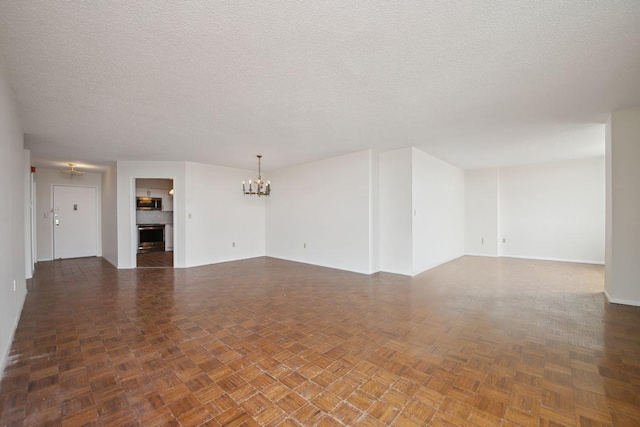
pixel 148 203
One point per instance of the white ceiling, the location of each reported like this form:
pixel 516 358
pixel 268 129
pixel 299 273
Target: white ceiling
pixel 475 83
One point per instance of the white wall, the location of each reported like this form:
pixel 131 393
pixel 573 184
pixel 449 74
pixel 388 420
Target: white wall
pixel 622 272
pixel 325 205
pixel 438 211
pixel 361 217
pixel 395 211
pixel 481 212
pixel 554 211
pixel 212 195
pixel 109 215
pixel 45 180
pixel 127 172
pixel 374 211
pixel 221 215
pixel 12 226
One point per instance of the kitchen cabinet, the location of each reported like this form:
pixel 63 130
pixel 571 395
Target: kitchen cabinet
pixel 149 192
pixel 168 237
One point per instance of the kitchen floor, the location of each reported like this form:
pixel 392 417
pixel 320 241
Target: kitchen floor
pixel 155 259
pixel 477 341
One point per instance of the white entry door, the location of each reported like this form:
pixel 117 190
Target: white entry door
pixel 75 222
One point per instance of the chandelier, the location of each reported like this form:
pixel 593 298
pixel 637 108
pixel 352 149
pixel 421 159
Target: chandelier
pixel 72 172
pixel 258 187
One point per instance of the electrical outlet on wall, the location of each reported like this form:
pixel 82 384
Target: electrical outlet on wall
pixel 304 245
pixel 504 240
pixel 14 285
pixel 233 244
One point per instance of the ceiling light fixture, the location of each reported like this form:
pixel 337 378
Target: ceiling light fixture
pixel 261 188
pixel 72 172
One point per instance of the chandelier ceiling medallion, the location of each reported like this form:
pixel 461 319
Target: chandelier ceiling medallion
pixel 258 187
pixel 72 172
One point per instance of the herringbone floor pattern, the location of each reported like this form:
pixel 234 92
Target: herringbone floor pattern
pixel 478 341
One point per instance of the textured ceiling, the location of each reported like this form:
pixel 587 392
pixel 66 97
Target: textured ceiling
pixel 476 83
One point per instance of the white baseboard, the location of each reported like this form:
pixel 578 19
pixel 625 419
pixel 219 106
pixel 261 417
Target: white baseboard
pixel 437 265
pixel 382 270
pixel 110 262
pixel 484 255
pixel 578 261
pixel 620 300
pixel 5 357
pixel 320 265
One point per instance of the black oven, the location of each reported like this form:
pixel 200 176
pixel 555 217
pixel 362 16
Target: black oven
pixel 150 238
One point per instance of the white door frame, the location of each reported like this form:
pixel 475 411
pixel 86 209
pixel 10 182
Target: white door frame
pixel 34 214
pixel 134 222
pixel 53 221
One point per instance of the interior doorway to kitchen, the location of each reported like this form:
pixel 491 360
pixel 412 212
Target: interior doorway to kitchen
pixel 154 222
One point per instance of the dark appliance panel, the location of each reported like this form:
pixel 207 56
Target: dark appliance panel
pixel 148 203
pixel 151 238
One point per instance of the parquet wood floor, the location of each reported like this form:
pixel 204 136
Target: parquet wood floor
pixel 155 259
pixel 478 341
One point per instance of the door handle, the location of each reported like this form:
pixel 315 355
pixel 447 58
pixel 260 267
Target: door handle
pixel 57 222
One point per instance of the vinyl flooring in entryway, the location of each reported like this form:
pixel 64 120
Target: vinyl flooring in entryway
pixel 477 341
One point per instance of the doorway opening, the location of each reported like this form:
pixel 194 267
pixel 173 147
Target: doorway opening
pixel 154 222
